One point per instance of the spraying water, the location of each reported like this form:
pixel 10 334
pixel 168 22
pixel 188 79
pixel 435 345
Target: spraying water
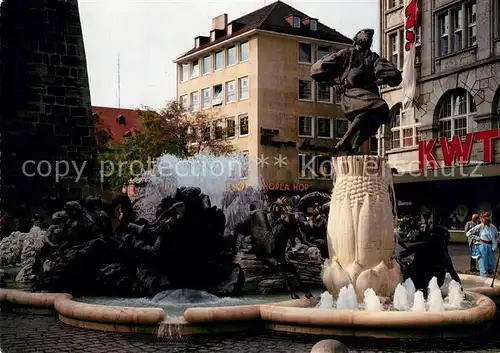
pixel 418 302
pixel 401 298
pixel 433 285
pixel 213 174
pixel 455 294
pixel 372 301
pixel 410 290
pixel 347 299
pixel 435 301
pixel 326 301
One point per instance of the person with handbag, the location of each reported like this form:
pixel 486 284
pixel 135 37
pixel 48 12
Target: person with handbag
pixel 487 234
pixel 472 241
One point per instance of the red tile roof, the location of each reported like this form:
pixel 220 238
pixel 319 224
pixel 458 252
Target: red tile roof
pixel 108 119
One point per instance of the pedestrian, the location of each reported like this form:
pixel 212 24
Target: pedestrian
pixel 472 240
pixel 487 234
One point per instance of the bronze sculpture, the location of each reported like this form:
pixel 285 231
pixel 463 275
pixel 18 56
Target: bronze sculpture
pixel 357 72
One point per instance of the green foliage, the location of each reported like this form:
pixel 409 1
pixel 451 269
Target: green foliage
pixel 171 130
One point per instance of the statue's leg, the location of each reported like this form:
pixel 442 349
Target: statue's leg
pixel 345 144
pixel 284 270
pixel 369 127
pixel 295 272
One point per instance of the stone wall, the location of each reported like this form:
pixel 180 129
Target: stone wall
pixel 45 99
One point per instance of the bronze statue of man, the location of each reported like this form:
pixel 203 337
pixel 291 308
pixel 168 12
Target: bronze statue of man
pixel 358 72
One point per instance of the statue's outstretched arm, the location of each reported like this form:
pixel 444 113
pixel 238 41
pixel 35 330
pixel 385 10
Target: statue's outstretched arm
pixel 387 72
pixel 330 67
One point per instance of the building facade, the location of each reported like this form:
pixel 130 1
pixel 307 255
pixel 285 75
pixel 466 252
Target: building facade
pixel 255 71
pixel 446 141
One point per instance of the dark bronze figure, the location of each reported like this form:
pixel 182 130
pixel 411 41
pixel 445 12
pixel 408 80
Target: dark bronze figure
pixel 358 72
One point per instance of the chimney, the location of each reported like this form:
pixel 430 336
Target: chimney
pixel 220 22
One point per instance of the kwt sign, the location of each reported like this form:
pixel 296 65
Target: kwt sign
pixel 410 24
pixel 458 150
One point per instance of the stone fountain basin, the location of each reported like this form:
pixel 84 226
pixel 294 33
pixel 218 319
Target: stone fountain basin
pixel 482 286
pixel 298 316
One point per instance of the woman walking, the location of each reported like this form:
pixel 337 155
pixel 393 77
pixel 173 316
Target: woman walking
pixel 487 235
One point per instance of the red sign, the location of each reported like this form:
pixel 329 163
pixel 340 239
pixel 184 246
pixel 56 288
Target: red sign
pixel 410 24
pixel 285 187
pixel 458 150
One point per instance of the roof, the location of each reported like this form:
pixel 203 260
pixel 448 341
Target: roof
pixel 108 119
pixel 273 18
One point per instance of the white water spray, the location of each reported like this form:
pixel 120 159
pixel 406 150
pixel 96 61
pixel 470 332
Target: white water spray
pixel 372 301
pixel 418 302
pixel 410 290
pixel 401 298
pixel 326 301
pixel 455 294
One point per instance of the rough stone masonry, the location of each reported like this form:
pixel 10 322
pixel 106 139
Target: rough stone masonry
pixel 45 103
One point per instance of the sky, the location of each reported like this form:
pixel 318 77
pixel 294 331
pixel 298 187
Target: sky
pixel 147 35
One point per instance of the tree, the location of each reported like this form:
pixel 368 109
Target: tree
pixel 171 130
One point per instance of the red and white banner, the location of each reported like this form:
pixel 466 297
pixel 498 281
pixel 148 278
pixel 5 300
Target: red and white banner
pixel 410 36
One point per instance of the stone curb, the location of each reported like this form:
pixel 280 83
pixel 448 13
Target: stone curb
pixel 486 289
pixel 292 316
pixel 360 323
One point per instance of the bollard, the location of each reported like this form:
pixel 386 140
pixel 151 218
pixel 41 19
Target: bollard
pixel 329 346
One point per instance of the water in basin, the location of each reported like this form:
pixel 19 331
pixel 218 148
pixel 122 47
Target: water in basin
pixel 175 302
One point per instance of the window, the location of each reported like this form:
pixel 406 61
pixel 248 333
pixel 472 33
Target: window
pixel 246 165
pixel 306 166
pixel 324 93
pixel 184 72
pixel 306 126
pixel 313 25
pixel 243 121
pixel 396 45
pixel 231 56
pixel 341 126
pixel 305 53
pixel 471 24
pixel 456 110
pixel 230 127
pixel 323 166
pixel 195 101
pixel 217 96
pixel 337 95
pixel 184 100
pixel 496 18
pixel 230 92
pixel 243 52
pixel 296 22
pixel 325 127
pixel 394 3
pixel 322 51
pixel 195 69
pixel 218 129
pixel 305 90
pixel 403 129
pixel 219 58
pixel 457 28
pixel 243 88
pixel 205 93
pixel 205 132
pixel 207 64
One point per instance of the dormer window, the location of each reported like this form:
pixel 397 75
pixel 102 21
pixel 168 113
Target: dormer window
pixel 313 25
pixel 296 22
pixel 121 120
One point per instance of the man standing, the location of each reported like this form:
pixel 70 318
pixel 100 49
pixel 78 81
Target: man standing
pixel 468 226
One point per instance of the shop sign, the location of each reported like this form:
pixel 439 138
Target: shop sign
pixel 285 187
pixel 458 150
pixel 404 203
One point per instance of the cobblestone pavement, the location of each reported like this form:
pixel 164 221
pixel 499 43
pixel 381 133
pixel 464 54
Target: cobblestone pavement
pixel 28 333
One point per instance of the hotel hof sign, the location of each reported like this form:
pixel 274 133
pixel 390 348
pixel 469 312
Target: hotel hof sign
pixel 457 151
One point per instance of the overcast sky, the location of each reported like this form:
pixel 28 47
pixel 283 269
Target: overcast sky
pixel 149 34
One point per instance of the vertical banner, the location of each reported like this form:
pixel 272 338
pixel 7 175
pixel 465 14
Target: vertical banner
pixel 410 30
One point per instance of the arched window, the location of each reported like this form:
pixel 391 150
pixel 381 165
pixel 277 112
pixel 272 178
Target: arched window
pixel 456 110
pixel 403 129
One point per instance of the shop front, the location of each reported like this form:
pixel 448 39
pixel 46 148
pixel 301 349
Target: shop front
pixel 453 182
